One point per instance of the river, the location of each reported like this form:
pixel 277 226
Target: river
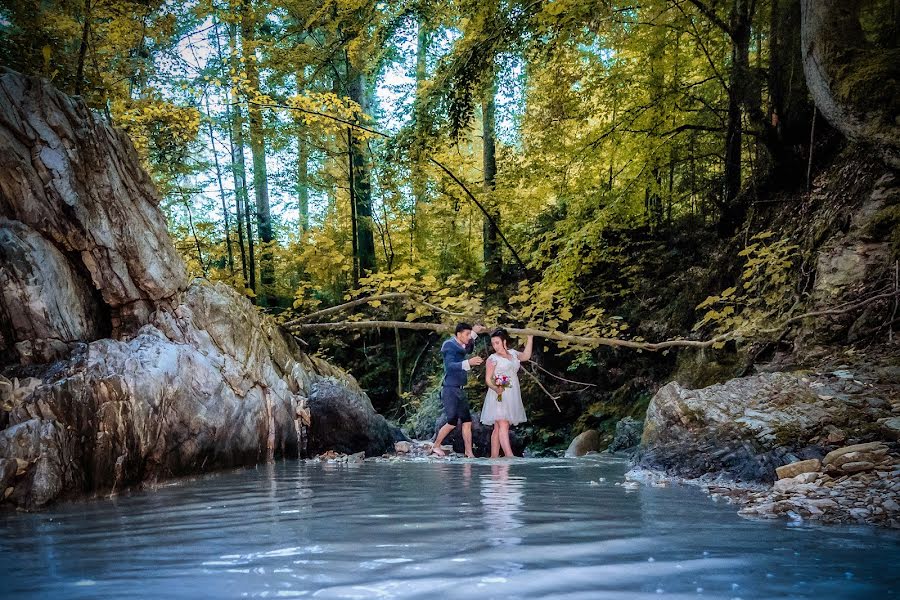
pixel 453 529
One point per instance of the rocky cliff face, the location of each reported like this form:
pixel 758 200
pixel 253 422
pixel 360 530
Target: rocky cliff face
pixel 134 372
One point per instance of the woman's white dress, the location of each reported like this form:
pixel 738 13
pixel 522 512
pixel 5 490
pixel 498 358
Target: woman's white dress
pixel 510 408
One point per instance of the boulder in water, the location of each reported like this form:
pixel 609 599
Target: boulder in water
pixel 584 442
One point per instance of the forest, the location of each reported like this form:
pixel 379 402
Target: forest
pixel 611 175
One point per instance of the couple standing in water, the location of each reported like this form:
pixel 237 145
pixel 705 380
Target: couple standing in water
pixel 503 403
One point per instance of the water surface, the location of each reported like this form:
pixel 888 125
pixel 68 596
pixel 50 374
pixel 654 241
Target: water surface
pixel 457 529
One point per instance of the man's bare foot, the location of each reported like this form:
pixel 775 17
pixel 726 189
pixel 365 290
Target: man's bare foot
pixel 438 450
pixel 470 455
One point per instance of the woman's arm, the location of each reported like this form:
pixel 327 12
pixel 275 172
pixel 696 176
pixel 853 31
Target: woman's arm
pixel 489 376
pixel 529 346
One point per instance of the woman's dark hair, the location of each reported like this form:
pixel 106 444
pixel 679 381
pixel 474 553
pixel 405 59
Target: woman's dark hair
pixel 500 333
pixel 463 327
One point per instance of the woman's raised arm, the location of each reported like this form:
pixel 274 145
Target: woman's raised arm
pixel 529 347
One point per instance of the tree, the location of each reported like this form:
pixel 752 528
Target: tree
pixel 855 82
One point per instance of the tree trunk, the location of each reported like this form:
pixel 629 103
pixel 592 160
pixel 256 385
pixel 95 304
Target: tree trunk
pixel 362 178
pixel 225 214
pixel 733 208
pixel 82 50
pixel 239 171
pixel 302 165
pixel 790 111
pixel 258 150
pixel 853 82
pixel 419 177
pixel 493 257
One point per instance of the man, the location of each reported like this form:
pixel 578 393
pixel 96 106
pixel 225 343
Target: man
pixel 453 397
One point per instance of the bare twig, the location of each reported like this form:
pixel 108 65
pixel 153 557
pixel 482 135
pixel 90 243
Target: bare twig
pixel 563 378
pixel 552 397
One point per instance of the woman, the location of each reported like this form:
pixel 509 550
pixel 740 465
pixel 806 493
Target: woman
pixel 503 406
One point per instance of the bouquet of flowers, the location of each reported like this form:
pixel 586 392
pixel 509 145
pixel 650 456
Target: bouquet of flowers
pixel 502 382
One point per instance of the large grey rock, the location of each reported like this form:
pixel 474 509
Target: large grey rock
pixel 346 422
pixel 155 376
pixel 45 306
pixel 747 427
pixel 78 182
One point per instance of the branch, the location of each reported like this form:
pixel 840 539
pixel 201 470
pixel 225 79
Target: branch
pixel 552 397
pixel 710 14
pixel 485 212
pixel 832 311
pixel 585 340
pixel 550 335
pixel 365 300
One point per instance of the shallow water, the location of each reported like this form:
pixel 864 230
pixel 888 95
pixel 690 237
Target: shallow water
pixel 459 529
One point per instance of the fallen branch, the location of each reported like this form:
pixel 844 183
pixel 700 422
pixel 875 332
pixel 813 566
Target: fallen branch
pixel 579 339
pixel 550 335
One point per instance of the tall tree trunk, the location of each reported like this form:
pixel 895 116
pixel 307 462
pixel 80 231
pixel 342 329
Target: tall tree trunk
pixel 258 151
pixel 419 177
pixel 493 257
pixel 733 208
pixel 225 213
pixel 303 179
pixel 302 164
pixel 361 177
pixel 354 223
pixel 82 50
pixel 239 169
pixel 854 83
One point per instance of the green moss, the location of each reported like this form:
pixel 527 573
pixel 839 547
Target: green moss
pixel 885 225
pixel 870 79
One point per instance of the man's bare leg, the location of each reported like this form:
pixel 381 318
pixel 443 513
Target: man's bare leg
pixel 444 432
pixel 467 438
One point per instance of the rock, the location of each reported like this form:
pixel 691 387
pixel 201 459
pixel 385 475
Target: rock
pixel 891 428
pixel 402 447
pixel 154 376
pixel 48 306
pixel 834 454
pixel 357 457
pixel 583 443
pixel 856 467
pixel 8 469
pixel 793 469
pixel 344 421
pixel 77 182
pixel 628 435
pixel 835 435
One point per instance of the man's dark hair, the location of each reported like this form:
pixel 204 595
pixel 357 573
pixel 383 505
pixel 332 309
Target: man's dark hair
pixel 462 327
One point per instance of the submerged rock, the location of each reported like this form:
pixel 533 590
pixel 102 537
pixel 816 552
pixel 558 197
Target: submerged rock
pixel 584 442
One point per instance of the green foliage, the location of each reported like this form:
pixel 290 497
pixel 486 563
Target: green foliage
pixel 764 293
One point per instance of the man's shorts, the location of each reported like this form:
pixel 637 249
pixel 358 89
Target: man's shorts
pixel 456 405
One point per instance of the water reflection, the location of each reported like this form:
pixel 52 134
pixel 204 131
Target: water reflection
pixel 501 501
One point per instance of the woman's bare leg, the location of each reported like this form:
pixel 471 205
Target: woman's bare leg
pixel 495 441
pixel 504 438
